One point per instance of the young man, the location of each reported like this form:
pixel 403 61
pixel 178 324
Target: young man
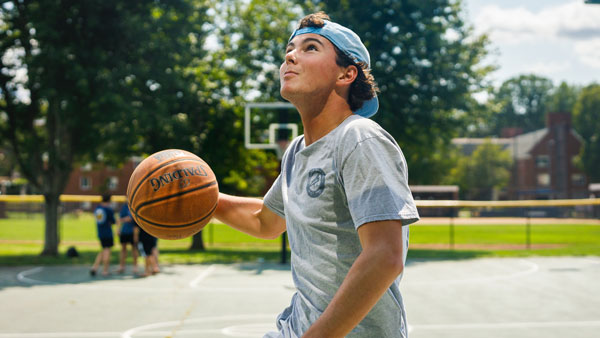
pixel 105 218
pixel 126 229
pixel 342 194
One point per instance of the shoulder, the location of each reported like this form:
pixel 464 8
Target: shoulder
pixel 359 130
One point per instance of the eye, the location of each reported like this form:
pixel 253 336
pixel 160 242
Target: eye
pixel 311 47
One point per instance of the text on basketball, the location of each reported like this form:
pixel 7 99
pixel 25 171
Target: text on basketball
pixel 164 179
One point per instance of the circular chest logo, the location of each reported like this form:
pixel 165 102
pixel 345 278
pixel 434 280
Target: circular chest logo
pixel 316 182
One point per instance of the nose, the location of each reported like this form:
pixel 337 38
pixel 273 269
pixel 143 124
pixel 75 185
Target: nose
pixel 290 57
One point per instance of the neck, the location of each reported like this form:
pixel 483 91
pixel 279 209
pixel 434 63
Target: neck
pixel 319 118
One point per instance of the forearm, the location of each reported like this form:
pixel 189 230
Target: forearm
pixel 244 214
pixel 368 279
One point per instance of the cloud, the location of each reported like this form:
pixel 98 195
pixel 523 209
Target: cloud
pixel 548 67
pixel 589 52
pixel 572 20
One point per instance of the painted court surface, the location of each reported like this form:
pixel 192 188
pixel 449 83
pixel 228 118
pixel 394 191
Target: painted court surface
pixel 508 297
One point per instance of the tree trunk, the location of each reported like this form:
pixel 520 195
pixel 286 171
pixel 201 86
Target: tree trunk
pixel 197 242
pixel 51 239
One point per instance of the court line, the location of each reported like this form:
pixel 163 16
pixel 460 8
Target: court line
pixel 22 276
pixel 532 268
pixel 138 331
pixel 194 283
pixel 517 325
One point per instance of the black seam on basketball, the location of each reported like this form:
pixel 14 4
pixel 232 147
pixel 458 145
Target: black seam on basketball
pixel 159 167
pixel 181 193
pixel 179 225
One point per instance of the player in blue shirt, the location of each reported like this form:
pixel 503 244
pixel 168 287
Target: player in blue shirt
pixel 105 218
pixel 126 229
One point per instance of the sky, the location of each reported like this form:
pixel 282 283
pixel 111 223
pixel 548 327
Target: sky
pixel 557 39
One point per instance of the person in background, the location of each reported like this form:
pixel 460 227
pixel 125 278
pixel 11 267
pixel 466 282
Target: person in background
pixel 126 226
pixel 105 219
pixel 150 251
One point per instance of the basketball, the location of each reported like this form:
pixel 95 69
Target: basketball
pixel 172 194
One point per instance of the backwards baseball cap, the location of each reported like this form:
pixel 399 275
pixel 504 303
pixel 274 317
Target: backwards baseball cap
pixel 350 44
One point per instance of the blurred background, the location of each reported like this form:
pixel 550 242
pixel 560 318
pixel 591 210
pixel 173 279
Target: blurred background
pixel 489 101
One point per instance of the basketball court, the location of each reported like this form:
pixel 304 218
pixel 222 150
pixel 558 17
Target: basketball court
pixel 508 297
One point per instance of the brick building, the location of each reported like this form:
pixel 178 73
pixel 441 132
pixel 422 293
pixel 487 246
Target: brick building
pixel 91 180
pixel 543 166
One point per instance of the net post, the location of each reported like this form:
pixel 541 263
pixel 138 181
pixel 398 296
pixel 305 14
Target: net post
pixel 528 231
pixel 283 248
pixel 451 232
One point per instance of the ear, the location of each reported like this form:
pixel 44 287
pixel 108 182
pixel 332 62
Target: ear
pixel 347 75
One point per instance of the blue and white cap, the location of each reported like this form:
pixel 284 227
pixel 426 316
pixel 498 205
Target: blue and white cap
pixel 349 43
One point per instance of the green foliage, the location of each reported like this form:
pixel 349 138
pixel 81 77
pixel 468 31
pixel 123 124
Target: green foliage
pixel 521 102
pixel 562 98
pixel 586 120
pixel 427 63
pixel 241 67
pixel 486 170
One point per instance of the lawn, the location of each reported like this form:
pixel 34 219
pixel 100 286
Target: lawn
pixel 21 242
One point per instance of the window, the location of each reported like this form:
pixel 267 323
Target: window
pixel 578 179
pixel 113 183
pixel 542 161
pixel 543 180
pixel 85 183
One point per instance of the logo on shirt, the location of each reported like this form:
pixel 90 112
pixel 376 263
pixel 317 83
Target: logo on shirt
pixel 316 182
pixel 100 216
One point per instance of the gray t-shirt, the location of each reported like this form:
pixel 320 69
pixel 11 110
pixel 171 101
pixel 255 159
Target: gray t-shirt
pixel 353 175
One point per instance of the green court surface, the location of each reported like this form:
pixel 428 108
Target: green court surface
pixel 531 297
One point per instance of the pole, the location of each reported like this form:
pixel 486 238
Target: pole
pixel 283 249
pixel 451 232
pixel 528 232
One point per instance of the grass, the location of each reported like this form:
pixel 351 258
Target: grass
pixel 21 241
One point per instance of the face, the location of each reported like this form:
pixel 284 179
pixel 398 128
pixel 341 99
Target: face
pixel 309 66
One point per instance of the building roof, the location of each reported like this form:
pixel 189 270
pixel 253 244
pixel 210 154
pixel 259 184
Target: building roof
pixel 522 144
pixel 518 146
pixel 468 145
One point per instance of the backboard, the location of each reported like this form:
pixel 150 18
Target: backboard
pixel 269 135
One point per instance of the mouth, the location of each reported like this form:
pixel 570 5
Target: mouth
pixel 289 73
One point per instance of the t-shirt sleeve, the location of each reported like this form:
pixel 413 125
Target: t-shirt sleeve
pixel 375 180
pixel 124 212
pixel 274 198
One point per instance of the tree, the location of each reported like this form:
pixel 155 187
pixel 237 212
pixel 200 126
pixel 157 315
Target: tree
pixel 521 102
pixel 427 63
pixel 486 170
pixel 79 80
pixel 586 120
pixel 562 98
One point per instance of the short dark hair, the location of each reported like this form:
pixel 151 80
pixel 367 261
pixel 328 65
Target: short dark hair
pixel 364 87
pixel 105 197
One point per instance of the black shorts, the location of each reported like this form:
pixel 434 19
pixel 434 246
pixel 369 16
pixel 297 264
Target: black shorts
pixel 126 238
pixel 148 244
pixel 107 242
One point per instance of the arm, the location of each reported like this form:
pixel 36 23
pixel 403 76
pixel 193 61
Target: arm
pixel 121 221
pixel 249 215
pixel 368 279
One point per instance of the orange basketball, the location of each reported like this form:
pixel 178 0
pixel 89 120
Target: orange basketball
pixel 172 194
